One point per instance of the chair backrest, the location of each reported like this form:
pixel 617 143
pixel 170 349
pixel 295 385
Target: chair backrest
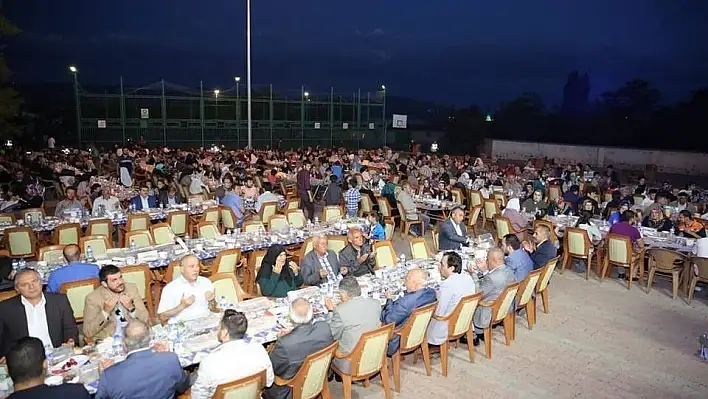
pixel 140 276
pixel 365 204
pixel 137 221
pixel 277 222
pixel 502 305
pixel 665 259
pixel 162 233
pixel 293 204
pixel 370 352
pixel 208 230
pixel 474 215
pixel 226 285
pixel 383 207
pixel 7 218
pixel 553 192
pixel 546 274
pixel 389 227
pixel 491 208
pixel 212 214
pixel 100 227
pixel 76 292
pixel 385 254
pixel 252 225
pixel 245 388
pixel 228 218
pixel 20 241
pixel 500 199
pixel 331 213
pixel 461 318
pixel 310 379
pixel 35 212
pixel 267 210
pixel 527 287
pixel 226 261
pixel 99 244
pixel 141 239
pixel 413 332
pixel 419 248
pixel 577 241
pixel 5 295
pixel 52 254
pixel 619 249
pixel 476 198
pixel 67 233
pixel 336 243
pixel 174 270
pixel 296 217
pixel 178 221
pixel 503 226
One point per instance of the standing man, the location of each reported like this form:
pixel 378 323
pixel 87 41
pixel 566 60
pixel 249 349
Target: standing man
pixel 303 189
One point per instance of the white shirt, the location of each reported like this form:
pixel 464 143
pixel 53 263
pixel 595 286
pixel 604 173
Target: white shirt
pixel 701 248
pixel 172 296
pixel 37 321
pixel 51 142
pixel 145 202
pixel 110 204
pixel 267 196
pixel 457 228
pixel 231 361
pixel 452 289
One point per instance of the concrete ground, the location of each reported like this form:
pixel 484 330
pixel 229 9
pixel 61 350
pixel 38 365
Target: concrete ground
pixel 598 341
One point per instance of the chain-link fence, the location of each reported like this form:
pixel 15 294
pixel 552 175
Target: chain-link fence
pixel 168 114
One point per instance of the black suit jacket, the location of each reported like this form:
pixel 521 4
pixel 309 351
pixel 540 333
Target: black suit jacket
pixel 291 350
pixel 60 320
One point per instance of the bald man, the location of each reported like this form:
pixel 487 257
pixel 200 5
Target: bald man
pixel 496 276
pixel 398 311
pixel 188 296
pixel 74 270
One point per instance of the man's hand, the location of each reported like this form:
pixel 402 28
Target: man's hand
pixel 161 346
pixel 209 295
pixel 323 273
pixel 329 304
pixel 528 246
pixel 126 301
pixel 186 302
pixel 388 294
pixel 70 342
pixel 294 267
pixel 481 264
pixel 110 303
pixel 284 331
pixel 344 270
pixel 362 258
pixel 104 364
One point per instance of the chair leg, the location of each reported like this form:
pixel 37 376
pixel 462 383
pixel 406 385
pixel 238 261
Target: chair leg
pixel 630 276
pixel 426 358
pixel 513 325
pixel 605 263
pixel 488 341
pixel 675 280
pixel 508 328
pixel 396 362
pixel 544 300
pixel 650 279
pixel 443 357
pixel 588 267
pixel 528 307
pixel 692 288
pixel 325 391
pixel 564 262
pixel 470 344
pixel 385 380
pixel 347 385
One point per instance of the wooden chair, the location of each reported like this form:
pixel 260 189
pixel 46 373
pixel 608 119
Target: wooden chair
pixel 228 218
pixel 459 324
pixel 542 287
pixel 503 227
pixel 296 217
pixel 162 233
pixel 67 233
pixel 5 295
pixel 385 254
pixel 665 261
pixel 389 228
pixel 100 227
pixel 491 209
pixel 226 285
pixel 267 210
pixel 227 261
pixel 179 222
pixel 254 263
pixel 367 359
pixel 207 230
pixel 406 224
pixel 702 265
pixel 577 245
pixel 500 311
pixel 35 212
pixel 311 379
pixel 473 218
pixel 245 388
pixel 99 244
pixel 420 249
pixel 620 253
pixel 413 335
pixel 8 218
pixel 21 242
pixel 52 254
pixel 336 243
pixel 526 300
pixel 476 198
pixel 76 292
pixel 253 225
pixel 141 238
pixel 277 222
pixel 141 276
pixel 385 209
pixel 332 213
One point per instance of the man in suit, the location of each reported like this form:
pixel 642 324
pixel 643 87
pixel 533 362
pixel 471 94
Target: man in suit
pixel 496 276
pixel 398 311
pixel 110 307
pixel 354 316
pixel 357 257
pixel 321 264
pixel 543 250
pixel 170 197
pixel 453 233
pixel 144 373
pixel 143 200
pixel 48 317
pixel 292 348
pixel 27 366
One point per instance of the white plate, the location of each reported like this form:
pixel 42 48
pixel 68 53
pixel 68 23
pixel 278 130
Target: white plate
pixel 80 361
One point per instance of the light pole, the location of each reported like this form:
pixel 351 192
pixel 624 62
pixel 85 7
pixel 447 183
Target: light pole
pixel 75 71
pixel 238 113
pixel 303 98
pixel 385 121
pixel 248 71
pixel 216 110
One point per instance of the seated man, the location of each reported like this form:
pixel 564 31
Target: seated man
pixel 233 359
pixel 454 286
pixel 453 233
pixel 111 306
pixel 233 201
pixel 411 211
pixel 398 311
pixel 321 264
pixel 543 249
pixel 75 270
pixel 189 296
pixel 626 228
pixel 357 257
pixel 144 373
pixel 48 317
pixel 27 366
pixel 496 276
pixel 294 346
pixel 517 259
pixel 143 200
pixel 689 227
pixel 354 316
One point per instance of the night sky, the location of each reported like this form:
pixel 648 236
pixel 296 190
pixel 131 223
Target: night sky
pixel 453 51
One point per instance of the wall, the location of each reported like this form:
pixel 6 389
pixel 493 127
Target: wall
pixel 688 163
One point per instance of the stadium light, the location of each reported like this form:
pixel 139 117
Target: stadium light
pixel 73 69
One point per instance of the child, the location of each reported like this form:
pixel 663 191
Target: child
pixel 377 230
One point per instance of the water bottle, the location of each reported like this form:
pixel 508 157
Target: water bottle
pixel 672 231
pixel 401 260
pixel 223 303
pixel 117 348
pixel 28 219
pixel 89 253
pixel 15 265
pixel 22 264
pixel 132 245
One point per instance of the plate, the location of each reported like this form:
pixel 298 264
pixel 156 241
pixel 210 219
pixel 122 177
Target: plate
pixel 79 361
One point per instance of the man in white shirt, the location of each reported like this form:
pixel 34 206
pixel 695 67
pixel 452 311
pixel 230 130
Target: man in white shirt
pixel 233 359
pixel 455 285
pixel 51 143
pixel 189 296
pixel 105 203
pixel 267 196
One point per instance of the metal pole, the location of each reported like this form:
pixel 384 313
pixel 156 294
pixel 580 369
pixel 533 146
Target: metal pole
pixel 302 116
pixel 122 108
pixel 270 112
pixel 164 115
pixel 358 118
pixel 385 121
pixel 238 116
pixel 331 116
pixel 78 107
pixel 201 108
pixel 248 70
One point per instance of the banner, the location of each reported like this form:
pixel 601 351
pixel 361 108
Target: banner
pixel 400 121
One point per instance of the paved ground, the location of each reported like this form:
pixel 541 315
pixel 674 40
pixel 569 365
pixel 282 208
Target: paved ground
pixel 598 341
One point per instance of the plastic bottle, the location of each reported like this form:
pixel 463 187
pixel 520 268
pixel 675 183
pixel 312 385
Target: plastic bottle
pixel 89 253
pixel 132 245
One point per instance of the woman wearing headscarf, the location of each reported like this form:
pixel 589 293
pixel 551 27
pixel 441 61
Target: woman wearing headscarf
pixel 275 277
pixel 535 203
pixel 513 213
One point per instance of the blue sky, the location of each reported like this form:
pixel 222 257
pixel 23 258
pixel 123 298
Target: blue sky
pixel 454 51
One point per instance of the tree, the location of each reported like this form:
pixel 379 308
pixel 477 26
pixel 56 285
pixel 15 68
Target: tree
pixel 636 101
pixel 9 99
pixel 527 106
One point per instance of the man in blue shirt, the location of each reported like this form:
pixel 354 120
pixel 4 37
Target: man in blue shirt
pixel 517 259
pixel 74 270
pixel 232 200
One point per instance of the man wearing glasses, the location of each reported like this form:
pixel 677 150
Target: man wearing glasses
pixel 110 307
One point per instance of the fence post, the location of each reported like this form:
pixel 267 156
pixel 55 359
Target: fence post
pixel 164 115
pixel 302 116
pixel 358 119
pixel 201 108
pixel 122 109
pixel 331 116
pixel 270 124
